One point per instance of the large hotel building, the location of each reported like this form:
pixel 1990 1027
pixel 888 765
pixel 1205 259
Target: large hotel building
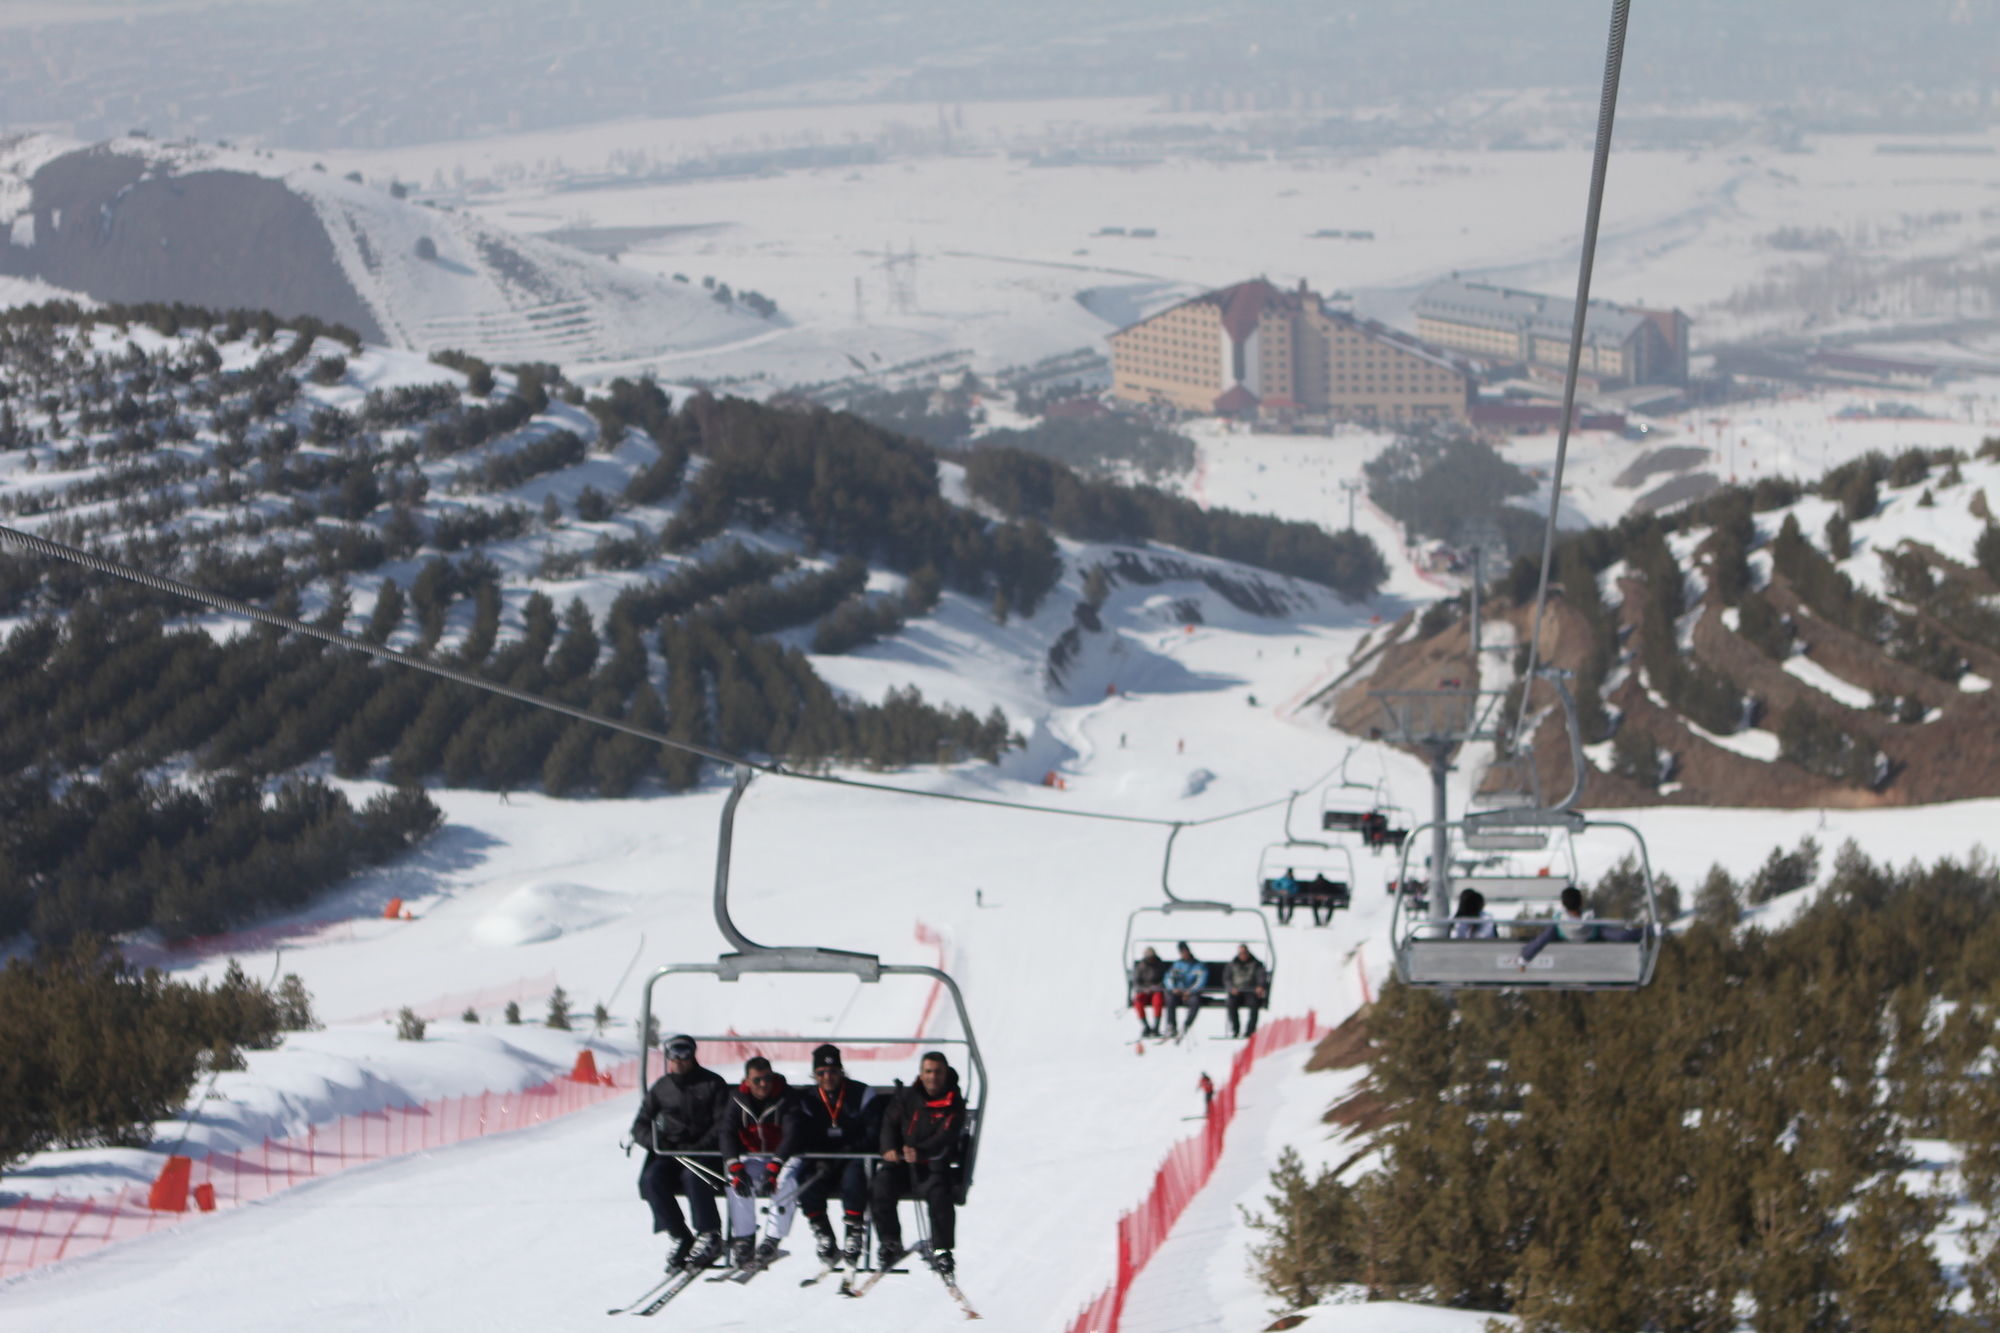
pixel 1621 344
pixel 1258 350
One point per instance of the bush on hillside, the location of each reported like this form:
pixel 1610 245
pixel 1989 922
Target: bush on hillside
pixel 92 1051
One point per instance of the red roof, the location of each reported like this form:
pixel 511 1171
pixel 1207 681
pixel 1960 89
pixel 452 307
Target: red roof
pixel 1236 399
pixel 1245 302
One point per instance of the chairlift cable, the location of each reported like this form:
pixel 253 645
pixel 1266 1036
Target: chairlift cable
pixel 1614 59
pixel 174 587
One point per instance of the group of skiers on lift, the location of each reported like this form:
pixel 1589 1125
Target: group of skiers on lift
pixel 796 1147
pixel 1246 985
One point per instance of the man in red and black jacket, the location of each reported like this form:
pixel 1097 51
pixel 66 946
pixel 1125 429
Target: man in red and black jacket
pixel 923 1128
pixel 760 1131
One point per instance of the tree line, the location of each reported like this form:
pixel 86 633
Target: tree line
pixel 1727 1146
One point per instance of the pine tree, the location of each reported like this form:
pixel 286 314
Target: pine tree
pixel 1716 902
pixel 558 1010
pixel 513 1013
pixel 470 1015
pixel 408 1026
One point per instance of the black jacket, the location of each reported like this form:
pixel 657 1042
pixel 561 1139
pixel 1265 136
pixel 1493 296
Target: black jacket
pixel 681 1111
pixel 931 1125
pixel 1149 973
pixel 843 1122
pixel 768 1124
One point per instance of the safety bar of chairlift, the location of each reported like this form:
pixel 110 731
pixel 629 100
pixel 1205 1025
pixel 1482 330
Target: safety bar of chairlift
pixel 753 958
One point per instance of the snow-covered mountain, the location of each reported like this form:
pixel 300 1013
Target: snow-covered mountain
pixel 134 220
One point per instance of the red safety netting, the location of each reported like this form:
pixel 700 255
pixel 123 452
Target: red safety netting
pixel 35 1232
pixel 1186 1169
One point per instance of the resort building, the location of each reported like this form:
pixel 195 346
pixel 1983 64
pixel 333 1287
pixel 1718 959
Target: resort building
pixel 1621 344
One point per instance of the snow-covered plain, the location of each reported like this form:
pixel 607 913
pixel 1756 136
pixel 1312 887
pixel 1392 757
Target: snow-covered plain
pixel 1006 208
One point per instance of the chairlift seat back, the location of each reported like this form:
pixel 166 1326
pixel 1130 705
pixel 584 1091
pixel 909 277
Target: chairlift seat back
pixel 1494 963
pixel 1523 841
pixel 1513 888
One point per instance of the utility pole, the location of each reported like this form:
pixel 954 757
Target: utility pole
pixel 1478 581
pixel 1352 485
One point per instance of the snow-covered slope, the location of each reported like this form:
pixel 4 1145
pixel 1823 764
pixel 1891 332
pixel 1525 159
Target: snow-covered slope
pixel 256 229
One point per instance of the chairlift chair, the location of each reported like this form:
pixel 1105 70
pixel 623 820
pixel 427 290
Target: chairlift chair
pixel 753 959
pixel 1306 862
pixel 1427 956
pixel 1155 927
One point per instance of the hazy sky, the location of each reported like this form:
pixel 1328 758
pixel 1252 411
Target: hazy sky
pixel 372 73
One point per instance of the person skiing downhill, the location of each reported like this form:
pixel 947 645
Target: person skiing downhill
pixel 760 1128
pixel 836 1114
pixel 1149 976
pixel 922 1130
pixel 680 1114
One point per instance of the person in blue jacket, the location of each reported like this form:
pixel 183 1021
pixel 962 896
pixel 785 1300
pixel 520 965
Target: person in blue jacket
pixel 1184 982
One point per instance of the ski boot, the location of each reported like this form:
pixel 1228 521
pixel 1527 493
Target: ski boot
pixel 739 1252
pixel 707 1248
pixel 850 1251
pixel 677 1257
pixel 766 1251
pixel 889 1253
pixel 942 1264
pixel 824 1247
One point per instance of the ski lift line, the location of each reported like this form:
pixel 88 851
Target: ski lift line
pixel 174 587
pixel 1600 161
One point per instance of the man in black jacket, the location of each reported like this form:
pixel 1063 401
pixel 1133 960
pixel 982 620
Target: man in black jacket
pixel 681 1113
pixel 836 1114
pixel 922 1129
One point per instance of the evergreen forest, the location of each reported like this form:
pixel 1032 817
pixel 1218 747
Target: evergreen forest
pixel 1732 1146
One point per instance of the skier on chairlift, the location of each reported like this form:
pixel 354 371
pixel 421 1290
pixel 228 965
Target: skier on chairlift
pixel 836 1114
pixel 760 1129
pixel 923 1129
pixel 680 1115
pixel 1249 985
pixel 1185 980
pixel 1149 975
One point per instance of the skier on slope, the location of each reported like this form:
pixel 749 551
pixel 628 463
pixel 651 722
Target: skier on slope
pixel 679 1115
pixel 923 1128
pixel 836 1114
pixel 760 1130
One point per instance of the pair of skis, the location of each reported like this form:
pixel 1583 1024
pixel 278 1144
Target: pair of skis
pixel 923 1251
pixel 673 1284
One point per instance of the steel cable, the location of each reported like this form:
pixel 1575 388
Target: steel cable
pixel 1607 108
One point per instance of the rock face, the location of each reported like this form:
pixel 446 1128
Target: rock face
pixel 104 226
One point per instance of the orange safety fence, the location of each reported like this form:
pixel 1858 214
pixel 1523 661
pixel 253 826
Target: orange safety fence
pixel 1187 1167
pixel 38 1232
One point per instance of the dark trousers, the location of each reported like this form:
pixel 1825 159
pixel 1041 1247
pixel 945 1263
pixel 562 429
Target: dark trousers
pixel 1175 999
pixel 660 1179
pixel 1243 999
pixel 852 1178
pixel 932 1182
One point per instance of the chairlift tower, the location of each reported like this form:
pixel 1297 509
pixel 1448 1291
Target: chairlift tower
pixel 901 268
pixel 1436 722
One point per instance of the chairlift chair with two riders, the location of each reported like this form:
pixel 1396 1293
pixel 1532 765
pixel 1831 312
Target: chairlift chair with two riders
pixel 1216 923
pixel 1347 806
pixel 1322 877
pixel 753 959
pixel 1609 955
